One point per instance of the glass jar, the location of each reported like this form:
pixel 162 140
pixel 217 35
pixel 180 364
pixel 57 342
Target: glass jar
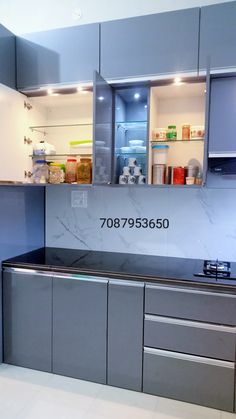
pixel 71 168
pixel 172 132
pixel 186 132
pixel 84 171
pixel 40 172
pixel 55 173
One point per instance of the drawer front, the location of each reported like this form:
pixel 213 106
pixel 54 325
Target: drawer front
pixel 189 378
pixel 191 304
pixel 209 340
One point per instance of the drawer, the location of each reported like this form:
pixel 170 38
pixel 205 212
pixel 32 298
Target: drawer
pixel 189 378
pixel 191 304
pixel 204 339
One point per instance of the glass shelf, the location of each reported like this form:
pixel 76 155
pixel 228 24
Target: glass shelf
pixel 48 156
pixel 118 153
pixel 60 126
pixel 177 141
pixel 131 124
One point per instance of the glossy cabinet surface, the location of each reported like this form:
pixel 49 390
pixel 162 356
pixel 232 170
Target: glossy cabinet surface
pixel 27 320
pixel 217 36
pixel 125 335
pixel 7 57
pixel 80 327
pixel 150 45
pixel 222 124
pixel 66 55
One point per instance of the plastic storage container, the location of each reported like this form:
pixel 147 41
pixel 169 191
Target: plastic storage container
pixel 55 173
pixel 84 171
pixel 159 154
pixel 40 172
pixel 71 170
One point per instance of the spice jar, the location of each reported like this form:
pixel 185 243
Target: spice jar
pixel 55 173
pixel 84 171
pixel 172 132
pixel 186 132
pixel 71 166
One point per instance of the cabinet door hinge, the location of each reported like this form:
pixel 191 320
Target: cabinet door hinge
pixel 27 140
pixel 27 105
pixel 28 174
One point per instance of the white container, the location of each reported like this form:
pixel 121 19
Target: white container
pixel 159 134
pixel 159 154
pixel 126 170
pixel 137 170
pixel 43 148
pixel 197 132
pixel 134 143
pixel 190 180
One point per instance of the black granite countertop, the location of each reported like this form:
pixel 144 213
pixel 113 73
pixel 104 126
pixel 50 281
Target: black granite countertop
pixel 127 266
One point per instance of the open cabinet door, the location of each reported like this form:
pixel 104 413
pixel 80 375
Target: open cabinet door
pixel 103 143
pixel 207 123
pixel 15 151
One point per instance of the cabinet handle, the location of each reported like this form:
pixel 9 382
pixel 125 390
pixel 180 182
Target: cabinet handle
pixel 27 271
pixel 189 291
pixel 126 283
pixel 80 278
pixel 190 323
pixel 190 358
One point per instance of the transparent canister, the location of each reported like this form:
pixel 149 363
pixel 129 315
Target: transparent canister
pixel 40 172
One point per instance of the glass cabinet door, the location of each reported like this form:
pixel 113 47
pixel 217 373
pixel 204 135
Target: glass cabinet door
pixel 103 149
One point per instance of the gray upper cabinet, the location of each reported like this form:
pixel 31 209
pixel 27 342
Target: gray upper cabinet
pixel 218 36
pixel 7 57
pixel 222 126
pixel 27 319
pixel 67 55
pixel 150 45
pixel 80 327
pixel 125 335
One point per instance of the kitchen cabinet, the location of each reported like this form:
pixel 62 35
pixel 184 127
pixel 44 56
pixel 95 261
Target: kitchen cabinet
pixel 217 37
pixel 7 57
pixel 125 334
pixel 80 327
pixel 189 345
pixel 222 123
pixel 27 319
pixel 58 56
pixel 158 44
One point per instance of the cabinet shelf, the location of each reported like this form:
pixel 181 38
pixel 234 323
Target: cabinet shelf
pixel 132 124
pixel 60 126
pixel 48 156
pixel 177 141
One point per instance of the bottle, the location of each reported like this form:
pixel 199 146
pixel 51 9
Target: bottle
pixel 84 171
pixel 198 180
pixel 71 166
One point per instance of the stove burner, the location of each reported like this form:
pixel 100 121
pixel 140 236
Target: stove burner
pixel 216 268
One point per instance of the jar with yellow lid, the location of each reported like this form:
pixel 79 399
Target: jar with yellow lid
pixel 55 173
pixel 84 171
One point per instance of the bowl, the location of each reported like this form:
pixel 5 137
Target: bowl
pixel 134 143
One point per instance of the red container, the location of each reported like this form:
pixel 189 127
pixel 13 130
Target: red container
pixel 178 175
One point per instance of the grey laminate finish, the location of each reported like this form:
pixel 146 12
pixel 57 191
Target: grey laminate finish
pixel 1 336
pixel 125 335
pixel 103 140
pixel 191 304
pixel 7 57
pixel 190 381
pixel 222 126
pixel 79 328
pixel 153 44
pixel 207 340
pixel 67 55
pixel 218 36
pixel 27 315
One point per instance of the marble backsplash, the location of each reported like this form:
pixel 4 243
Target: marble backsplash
pixel 202 221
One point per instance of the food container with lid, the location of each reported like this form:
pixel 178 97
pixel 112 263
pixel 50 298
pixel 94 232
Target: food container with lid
pixel 159 153
pixel 172 132
pixel 84 171
pixel 178 175
pixel 71 166
pixel 190 180
pixel 43 148
pixel 40 172
pixel 55 173
pixel 159 134
pixel 134 143
pixel 197 132
pixel 186 132
pixel 158 174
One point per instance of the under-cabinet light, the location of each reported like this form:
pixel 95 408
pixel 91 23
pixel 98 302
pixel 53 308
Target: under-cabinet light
pixel 49 91
pixel 137 96
pixel 100 98
pixel 145 106
pixel 178 81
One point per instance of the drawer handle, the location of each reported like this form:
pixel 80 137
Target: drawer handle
pixel 191 358
pixel 188 291
pixel 190 323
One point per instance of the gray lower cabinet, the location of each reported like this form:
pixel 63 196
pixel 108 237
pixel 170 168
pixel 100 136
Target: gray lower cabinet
pixel 189 378
pixel 80 327
pixel 7 57
pixel 150 45
pixel 217 36
pixel 125 334
pixel 27 319
pixel 66 55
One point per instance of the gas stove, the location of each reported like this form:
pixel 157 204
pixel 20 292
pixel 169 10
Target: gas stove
pixel 216 269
